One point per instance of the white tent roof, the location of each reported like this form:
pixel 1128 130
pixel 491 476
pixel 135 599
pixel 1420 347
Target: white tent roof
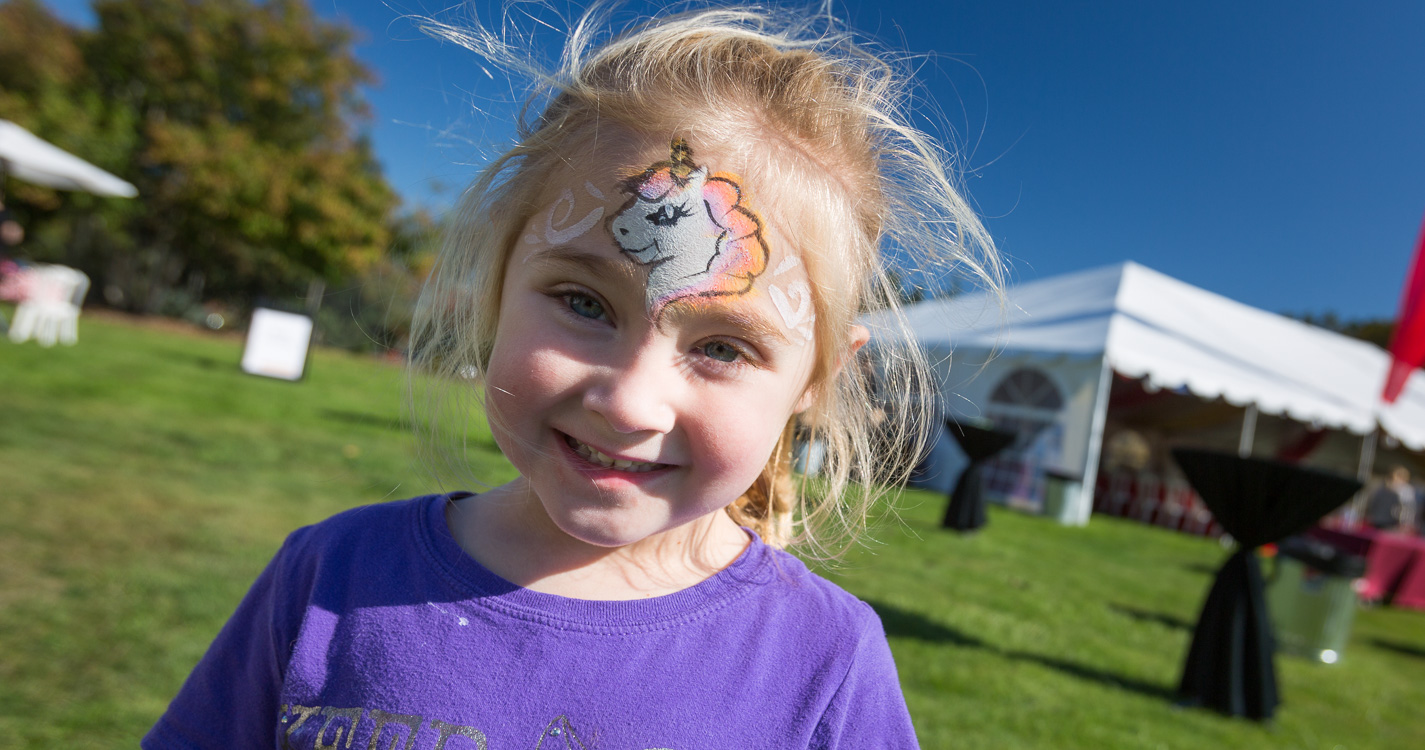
pixel 1177 336
pixel 32 159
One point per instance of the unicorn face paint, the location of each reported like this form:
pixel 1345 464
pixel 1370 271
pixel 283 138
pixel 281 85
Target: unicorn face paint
pixel 691 229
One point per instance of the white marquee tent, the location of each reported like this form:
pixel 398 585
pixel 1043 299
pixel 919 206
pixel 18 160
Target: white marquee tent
pixel 1082 327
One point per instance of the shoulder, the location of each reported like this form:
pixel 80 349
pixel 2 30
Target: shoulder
pixel 381 523
pixel 817 594
pixel 369 537
pixel 851 673
pixel 817 616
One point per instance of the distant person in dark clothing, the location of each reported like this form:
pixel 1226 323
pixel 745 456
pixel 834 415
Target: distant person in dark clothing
pixel 1392 506
pixel 11 233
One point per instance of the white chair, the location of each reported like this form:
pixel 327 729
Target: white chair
pixel 50 312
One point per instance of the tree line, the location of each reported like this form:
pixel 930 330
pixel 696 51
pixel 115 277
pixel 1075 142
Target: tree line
pixel 239 123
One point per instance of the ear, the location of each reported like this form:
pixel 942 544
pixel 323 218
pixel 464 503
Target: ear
pixel 859 336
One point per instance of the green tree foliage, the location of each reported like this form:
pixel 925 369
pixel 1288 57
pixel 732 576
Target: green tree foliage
pixel 235 121
pixel 44 87
pixel 371 311
pixel 41 70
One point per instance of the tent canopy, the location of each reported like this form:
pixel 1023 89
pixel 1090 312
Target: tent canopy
pixel 29 158
pixel 1177 336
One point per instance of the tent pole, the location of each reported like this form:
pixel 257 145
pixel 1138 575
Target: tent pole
pixel 1356 509
pixel 1249 432
pixel 1100 416
pixel 1368 456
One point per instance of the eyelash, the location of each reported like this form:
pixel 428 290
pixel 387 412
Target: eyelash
pixel 744 356
pixel 569 296
pixel 668 214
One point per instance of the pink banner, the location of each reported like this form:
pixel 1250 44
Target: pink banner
pixel 1407 346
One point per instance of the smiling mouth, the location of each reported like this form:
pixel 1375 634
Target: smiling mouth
pixel 607 462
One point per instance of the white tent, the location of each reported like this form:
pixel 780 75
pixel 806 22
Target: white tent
pixel 1127 319
pixel 32 159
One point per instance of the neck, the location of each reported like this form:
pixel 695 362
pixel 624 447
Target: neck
pixel 508 531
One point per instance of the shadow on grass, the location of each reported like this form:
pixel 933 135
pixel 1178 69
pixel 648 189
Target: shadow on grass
pixel 1102 677
pixel 1203 568
pixel 1405 649
pixel 204 362
pixel 1143 615
pixel 903 623
pixel 364 419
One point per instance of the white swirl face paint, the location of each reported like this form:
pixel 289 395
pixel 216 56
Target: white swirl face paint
pixel 557 228
pixel 564 232
pixel 794 305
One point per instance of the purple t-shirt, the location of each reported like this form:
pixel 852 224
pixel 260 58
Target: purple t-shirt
pixel 374 630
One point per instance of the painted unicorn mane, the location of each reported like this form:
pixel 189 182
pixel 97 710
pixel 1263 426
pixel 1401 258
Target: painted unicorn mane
pixel 691 230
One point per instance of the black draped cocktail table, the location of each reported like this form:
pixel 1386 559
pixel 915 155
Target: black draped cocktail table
pixel 966 509
pixel 1229 666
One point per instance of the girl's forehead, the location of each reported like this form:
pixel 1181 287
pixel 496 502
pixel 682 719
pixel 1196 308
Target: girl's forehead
pixel 699 231
pixel 614 160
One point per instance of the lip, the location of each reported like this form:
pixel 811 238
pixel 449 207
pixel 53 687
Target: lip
pixel 596 471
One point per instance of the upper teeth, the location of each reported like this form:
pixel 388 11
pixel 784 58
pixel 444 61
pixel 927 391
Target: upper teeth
pixel 608 462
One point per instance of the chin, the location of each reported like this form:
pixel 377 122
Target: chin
pixel 601 528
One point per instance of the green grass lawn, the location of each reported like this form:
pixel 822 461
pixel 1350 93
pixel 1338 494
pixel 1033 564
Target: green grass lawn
pixel 144 482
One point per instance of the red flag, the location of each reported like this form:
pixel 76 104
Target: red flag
pixel 1407 346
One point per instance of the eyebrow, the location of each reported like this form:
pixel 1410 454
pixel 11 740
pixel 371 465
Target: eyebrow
pixel 705 308
pixel 605 268
pixel 595 264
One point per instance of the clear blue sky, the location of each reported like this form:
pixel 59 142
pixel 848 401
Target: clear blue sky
pixel 1271 151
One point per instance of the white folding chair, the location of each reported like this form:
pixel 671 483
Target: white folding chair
pixel 50 312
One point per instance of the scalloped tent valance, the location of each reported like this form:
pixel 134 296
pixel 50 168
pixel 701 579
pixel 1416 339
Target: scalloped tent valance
pixel 1177 336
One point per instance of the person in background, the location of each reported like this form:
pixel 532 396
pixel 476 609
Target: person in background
pixel 11 233
pixel 1392 506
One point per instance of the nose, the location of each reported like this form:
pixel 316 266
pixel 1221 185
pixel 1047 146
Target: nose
pixel 636 392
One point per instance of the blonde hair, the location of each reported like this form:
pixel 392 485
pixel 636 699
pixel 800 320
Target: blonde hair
pixel 808 106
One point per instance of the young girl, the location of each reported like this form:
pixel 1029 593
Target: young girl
pixel 653 289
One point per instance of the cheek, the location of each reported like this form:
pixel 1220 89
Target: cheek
pixel 737 447
pixel 526 371
pixel 742 434
pixel 523 393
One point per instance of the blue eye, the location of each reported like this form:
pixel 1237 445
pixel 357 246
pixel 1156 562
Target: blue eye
pixel 722 351
pixel 585 306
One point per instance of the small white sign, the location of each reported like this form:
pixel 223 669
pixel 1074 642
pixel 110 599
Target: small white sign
pixel 277 344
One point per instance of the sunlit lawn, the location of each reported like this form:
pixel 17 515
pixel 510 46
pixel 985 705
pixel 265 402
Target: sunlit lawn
pixel 144 481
